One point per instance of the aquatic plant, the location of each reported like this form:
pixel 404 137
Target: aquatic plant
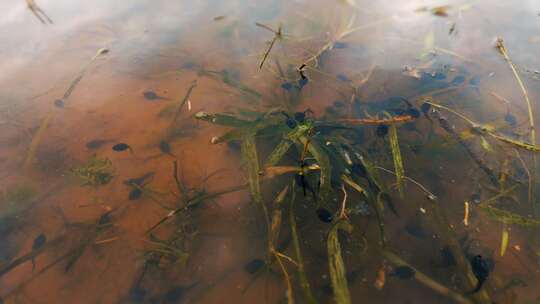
pixel 96 172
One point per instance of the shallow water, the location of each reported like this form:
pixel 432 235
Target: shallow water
pixel 364 59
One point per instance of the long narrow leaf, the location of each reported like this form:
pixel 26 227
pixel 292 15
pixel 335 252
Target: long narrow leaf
pixel 302 277
pixel 251 162
pixel 398 163
pixel 336 265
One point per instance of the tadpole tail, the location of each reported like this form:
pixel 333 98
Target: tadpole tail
pixel 302 178
pixel 477 288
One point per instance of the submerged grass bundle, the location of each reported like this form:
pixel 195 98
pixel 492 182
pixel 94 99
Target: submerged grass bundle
pixel 336 265
pixel 396 155
pixel 96 172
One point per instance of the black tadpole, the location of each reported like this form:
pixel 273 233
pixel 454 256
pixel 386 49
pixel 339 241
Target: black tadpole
pixel 120 147
pixel 480 268
pixel 382 130
pixel 324 215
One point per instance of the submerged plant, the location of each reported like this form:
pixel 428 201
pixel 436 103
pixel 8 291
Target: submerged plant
pixel 96 172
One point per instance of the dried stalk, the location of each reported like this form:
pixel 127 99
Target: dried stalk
pixel 290 297
pixel 502 50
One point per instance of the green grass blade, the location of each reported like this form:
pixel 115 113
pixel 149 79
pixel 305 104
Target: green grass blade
pixel 398 162
pixel 278 153
pixel 336 265
pixel 251 163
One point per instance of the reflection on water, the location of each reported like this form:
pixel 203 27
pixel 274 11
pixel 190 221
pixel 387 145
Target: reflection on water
pixel 268 151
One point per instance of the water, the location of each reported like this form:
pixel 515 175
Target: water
pixel 91 231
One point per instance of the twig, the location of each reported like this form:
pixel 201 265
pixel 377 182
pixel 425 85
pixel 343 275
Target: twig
pixel 428 193
pixel 106 241
pixel 466 214
pixel 184 100
pixel 290 298
pixel 286 258
pixel 151 196
pixel 37 11
pixel 377 121
pixel 329 45
pixel 498 195
pixel 179 185
pixel 502 50
pixel 342 214
pixel 194 202
pixel 277 35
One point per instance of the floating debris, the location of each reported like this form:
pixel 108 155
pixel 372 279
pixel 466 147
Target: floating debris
pixel 466 214
pixel 452 29
pixel 412 72
pixel 380 280
pixel 441 11
pixel 219 18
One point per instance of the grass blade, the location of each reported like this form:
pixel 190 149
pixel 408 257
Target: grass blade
pixel 251 162
pixel 302 277
pixel 223 119
pixel 273 234
pixel 398 163
pixel 278 153
pixel 336 264
pixel 36 140
pixel 504 240
pixel 509 217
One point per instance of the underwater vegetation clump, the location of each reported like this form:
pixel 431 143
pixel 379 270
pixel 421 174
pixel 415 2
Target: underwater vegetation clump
pixel 333 173
pixel 300 155
pixel 96 172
